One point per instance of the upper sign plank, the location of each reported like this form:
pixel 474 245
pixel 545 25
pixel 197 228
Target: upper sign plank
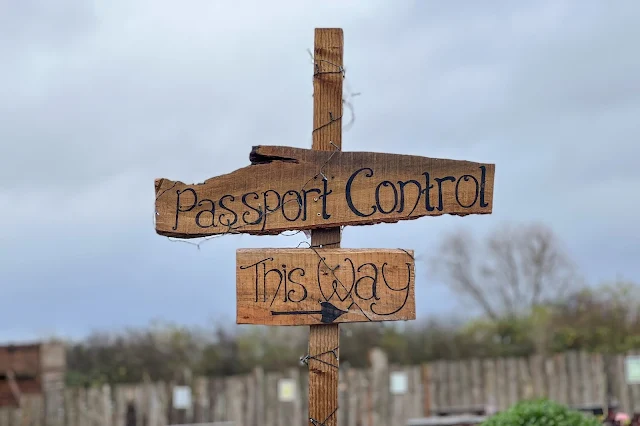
pixel 292 189
pixel 305 287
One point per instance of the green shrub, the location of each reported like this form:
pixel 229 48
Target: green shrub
pixel 540 413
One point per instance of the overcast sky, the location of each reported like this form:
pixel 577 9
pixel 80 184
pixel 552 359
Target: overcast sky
pixel 97 99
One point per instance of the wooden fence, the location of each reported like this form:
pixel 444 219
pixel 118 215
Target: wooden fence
pixel 377 396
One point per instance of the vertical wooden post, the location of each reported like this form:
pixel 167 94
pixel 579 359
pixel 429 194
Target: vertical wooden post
pixel 426 387
pixel 327 136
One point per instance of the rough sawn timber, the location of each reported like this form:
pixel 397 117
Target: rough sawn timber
pixel 288 188
pixel 293 286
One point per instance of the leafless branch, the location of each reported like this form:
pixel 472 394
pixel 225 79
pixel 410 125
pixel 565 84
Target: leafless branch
pixel 514 270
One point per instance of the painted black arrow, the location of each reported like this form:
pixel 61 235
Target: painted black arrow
pixel 329 313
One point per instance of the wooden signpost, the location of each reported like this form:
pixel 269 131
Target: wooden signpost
pixel 322 189
pixel 342 188
pixel 323 286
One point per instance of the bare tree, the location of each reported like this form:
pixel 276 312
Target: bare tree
pixel 513 270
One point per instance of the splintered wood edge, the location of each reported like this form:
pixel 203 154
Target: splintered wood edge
pixel 368 222
pixel 266 154
pixel 259 155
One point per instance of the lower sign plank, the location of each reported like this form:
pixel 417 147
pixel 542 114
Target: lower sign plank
pixel 323 286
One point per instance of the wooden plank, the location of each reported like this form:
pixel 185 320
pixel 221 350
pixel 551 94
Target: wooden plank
pixel 296 410
pixel 9 413
pixel 251 390
pixel 285 188
pixel 588 378
pixel 120 406
pixel 236 393
pixel 70 414
pixel 352 381
pixel 323 374
pixel 552 378
pixel 304 395
pixel 342 415
pixel 477 383
pixel 466 390
pixel 326 136
pixel 512 381
pixel 380 398
pixel 574 380
pixel 258 414
pixel 201 400
pixel 502 391
pixel 428 389
pixel 81 406
pixel 162 399
pixel 600 373
pixel 537 371
pixel 454 387
pixel 526 389
pixel 53 357
pixel 624 397
pixel 217 400
pixel 634 391
pixel 397 409
pixel 416 396
pixel 316 286
pixel 36 410
pixel 53 392
pixel 562 377
pixel 271 415
pixel 443 385
pixel 153 393
pixel 5 413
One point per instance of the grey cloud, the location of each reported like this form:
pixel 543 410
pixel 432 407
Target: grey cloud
pixel 99 99
pixel 144 84
pixel 46 24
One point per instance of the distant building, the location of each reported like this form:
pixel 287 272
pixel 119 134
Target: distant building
pixel 37 368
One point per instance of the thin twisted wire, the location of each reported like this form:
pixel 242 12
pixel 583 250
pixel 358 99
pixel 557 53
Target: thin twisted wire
pixel 234 230
pixel 315 422
pixel 333 272
pixel 345 97
pixel 306 358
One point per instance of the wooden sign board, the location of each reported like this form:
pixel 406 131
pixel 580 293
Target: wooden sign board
pixel 294 189
pixel 323 286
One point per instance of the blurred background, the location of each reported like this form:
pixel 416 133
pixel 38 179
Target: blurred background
pixel 540 298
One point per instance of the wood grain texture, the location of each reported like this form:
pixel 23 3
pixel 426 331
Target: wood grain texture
pixel 328 55
pixel 287 286
pixel 284 188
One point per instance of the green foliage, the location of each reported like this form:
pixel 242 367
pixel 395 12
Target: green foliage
pixel 540 413
pixel 603 319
